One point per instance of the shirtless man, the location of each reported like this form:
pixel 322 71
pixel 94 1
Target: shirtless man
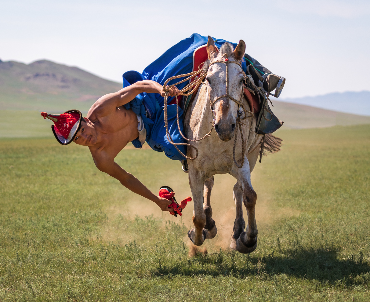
pixel 109 127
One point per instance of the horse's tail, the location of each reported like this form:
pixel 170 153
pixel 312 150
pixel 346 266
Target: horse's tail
pixel 271 144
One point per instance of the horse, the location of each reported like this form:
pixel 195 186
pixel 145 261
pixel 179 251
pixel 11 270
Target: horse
pixel 221 104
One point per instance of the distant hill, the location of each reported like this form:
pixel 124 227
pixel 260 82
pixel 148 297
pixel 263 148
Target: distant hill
pixel 45 86
pixel 297 116
pixel 348 102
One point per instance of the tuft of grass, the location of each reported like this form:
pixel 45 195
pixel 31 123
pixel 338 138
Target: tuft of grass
pixel 70 232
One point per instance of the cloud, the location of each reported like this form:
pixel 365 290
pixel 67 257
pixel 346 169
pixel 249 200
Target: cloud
pixel 334 8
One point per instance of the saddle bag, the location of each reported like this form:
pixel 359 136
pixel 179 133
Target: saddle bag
pixel 267 122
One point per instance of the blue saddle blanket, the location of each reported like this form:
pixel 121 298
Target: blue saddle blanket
pixel 175 61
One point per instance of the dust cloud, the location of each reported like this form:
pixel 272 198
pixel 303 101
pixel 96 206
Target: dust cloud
pixel 223 213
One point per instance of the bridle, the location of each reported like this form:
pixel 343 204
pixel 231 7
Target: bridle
pixel 239 102
pixel 226 61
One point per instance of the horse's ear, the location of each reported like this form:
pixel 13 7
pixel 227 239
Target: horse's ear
pixel 239 50
pixel 212 50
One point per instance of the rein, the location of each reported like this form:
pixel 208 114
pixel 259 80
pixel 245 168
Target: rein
pixel 199 77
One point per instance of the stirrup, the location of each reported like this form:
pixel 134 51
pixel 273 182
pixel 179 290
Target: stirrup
pixel 279 87
pixel 273 82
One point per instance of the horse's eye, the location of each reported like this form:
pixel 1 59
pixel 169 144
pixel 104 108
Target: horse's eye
pixel 208 80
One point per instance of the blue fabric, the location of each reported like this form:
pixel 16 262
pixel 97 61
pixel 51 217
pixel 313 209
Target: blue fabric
pixel 175 61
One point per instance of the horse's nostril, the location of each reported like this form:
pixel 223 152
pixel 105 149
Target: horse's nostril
pixel 232 127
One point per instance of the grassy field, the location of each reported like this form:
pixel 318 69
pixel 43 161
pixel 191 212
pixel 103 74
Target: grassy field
pixel 18 123
pixel 69 232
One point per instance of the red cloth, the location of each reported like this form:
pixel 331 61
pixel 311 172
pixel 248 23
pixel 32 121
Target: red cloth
pixel 200 56
pixel 164 193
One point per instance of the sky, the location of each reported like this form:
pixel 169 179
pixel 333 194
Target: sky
pixel 318 46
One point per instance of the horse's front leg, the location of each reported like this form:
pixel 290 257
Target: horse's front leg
pixel 247 241
pixel 210 223
pixel 239 223
pixel 196 179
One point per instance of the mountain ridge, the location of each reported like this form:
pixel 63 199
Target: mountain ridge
pixel 297 116
pixel 354 102
pixel 46 85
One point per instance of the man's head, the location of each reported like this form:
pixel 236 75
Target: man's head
pixel 66 125
pixel 86 134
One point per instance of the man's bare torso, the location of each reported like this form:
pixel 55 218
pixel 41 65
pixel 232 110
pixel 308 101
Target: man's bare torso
pixel 114 131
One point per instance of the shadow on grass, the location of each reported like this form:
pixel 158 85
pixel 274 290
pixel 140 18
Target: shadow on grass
pixel 319 264
pixel 322 265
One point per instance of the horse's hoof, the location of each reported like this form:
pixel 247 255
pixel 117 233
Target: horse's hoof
pixel 247 247
pixel 191 235
pixel 211 233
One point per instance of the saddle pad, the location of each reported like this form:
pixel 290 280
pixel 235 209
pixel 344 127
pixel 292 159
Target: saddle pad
pixel 200 55
pixel 253 101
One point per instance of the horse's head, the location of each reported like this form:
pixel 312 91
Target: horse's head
pixel 225 80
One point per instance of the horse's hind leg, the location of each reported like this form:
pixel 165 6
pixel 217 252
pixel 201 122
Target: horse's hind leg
pixel 239 223
pixel 247 241
pixel 210 223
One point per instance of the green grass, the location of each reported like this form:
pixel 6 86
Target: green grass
pixel 69 232
pixel 18 123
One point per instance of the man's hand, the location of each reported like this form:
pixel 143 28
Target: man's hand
pixel 163 203
pixel 172 91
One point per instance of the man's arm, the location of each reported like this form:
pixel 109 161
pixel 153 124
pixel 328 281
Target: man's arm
pixel 129 181
pixel 111 101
